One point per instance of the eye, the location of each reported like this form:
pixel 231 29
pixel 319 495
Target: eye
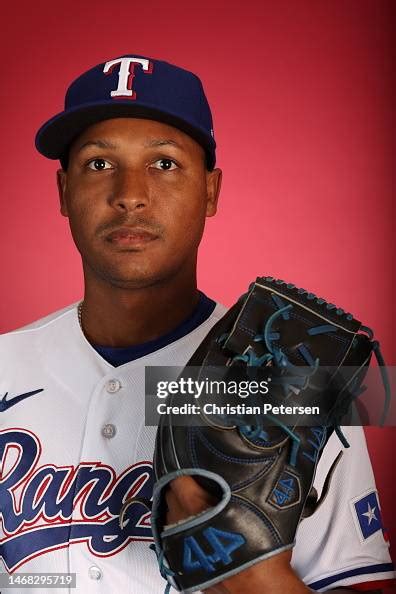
pixel 165 164
pixel 99 164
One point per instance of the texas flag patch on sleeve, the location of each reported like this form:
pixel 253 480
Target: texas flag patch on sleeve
pixel 367 515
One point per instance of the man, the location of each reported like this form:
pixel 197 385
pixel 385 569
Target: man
pixel 138 179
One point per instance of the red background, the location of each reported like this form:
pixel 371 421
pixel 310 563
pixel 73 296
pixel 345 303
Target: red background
pixel 303 99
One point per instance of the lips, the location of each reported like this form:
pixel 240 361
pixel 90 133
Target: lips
pixel 131 236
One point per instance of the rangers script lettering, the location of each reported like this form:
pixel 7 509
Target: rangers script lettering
pixel 55 501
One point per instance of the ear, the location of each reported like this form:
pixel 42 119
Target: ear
pixel 61 178
pixel 213 185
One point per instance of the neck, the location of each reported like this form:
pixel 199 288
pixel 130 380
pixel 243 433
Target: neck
pixel 117 317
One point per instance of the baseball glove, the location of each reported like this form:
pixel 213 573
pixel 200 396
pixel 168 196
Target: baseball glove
pixel 261 470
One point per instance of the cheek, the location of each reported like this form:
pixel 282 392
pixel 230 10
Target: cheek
pixel 186 226
pixel 183 204
pixel 85 205
pixel 82 221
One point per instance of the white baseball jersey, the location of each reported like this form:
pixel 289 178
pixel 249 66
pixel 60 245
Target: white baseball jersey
pixel 74 447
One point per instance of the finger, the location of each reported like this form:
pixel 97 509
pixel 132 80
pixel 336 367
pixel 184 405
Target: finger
pixel 175 511
pixel 190 495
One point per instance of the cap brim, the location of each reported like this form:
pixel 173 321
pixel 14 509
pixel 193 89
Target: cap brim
pixel 55 136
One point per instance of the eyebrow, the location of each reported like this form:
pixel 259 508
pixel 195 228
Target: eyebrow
pixel 104 144
pixel 162 142
pixel 99 143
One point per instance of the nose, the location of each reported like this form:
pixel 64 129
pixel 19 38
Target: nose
pixel 130 191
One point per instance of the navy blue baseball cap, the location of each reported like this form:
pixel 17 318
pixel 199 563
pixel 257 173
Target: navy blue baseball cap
pixel 131 86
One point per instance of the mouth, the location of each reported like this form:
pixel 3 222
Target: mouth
pixel 131 236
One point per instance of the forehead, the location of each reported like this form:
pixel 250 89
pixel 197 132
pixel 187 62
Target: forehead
pixel 138 132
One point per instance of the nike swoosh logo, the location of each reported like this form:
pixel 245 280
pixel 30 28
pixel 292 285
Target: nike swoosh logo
pixel 5 404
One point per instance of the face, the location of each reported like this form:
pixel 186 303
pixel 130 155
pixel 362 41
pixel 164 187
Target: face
pixel 137 193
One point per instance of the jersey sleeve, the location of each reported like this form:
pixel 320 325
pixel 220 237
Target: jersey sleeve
pixel 343 542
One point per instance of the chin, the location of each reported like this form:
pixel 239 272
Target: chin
pixel 136 273
pixel 137 279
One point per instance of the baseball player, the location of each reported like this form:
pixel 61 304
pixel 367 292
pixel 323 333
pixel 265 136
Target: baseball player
pixel 137 181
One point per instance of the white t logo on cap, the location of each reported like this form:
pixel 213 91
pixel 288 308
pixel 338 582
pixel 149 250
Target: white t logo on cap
pixel 126 74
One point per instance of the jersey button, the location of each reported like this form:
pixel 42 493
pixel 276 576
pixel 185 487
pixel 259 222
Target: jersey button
pixel 94 573
pixel 109 431
pixel 113 386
